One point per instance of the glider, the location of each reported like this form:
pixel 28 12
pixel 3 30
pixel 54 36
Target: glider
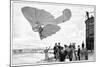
pixel 44 22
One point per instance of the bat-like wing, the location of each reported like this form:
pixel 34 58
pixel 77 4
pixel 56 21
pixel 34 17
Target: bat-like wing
pixel 37 16
pixel 48 30
pixel 30 14
pixel 64 17
pixel 45 17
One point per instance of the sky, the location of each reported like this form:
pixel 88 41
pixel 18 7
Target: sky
pixel 71 31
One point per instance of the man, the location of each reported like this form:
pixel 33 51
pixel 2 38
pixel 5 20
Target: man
pixel 86 54
pixel 46 53
pixel 78 52
pixel 59 47
pixel 70 53
pixel 55 51
pixel 62 55
pixel 66 50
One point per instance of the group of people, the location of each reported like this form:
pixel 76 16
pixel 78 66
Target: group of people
pixel 69 52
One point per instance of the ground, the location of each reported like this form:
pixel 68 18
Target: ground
pixel 38 58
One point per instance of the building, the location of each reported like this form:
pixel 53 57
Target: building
pixel 89 32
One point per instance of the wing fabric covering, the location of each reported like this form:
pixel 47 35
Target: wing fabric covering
pixel 37 16
pixel 64 17
pixel 43 22
pixel 48 30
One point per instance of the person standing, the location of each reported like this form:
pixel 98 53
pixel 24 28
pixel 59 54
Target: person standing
pixel 66 50
pixel 86 54
pixel 70 53
pixel 59 47
pixel 62 55
pixel 59 50
pixel 78 52
pixel 55 51
pixel 74 52
pixel 46 53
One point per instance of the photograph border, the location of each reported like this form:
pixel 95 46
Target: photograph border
pixel 45 3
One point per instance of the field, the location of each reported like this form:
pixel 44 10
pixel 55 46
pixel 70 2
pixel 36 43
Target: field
pixel 39 58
